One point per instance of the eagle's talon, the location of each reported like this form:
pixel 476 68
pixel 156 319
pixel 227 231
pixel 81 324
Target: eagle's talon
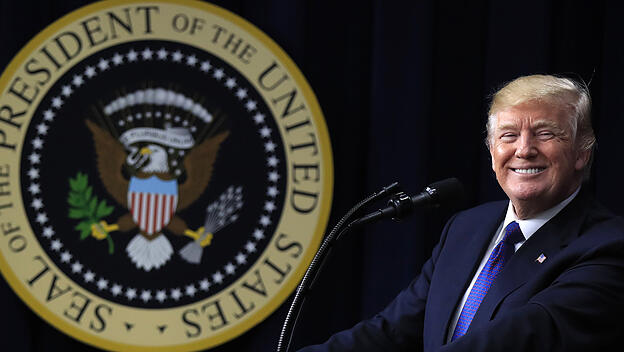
pixel 206 241
pixel 101 230
pixel 194 234
pixel 109 228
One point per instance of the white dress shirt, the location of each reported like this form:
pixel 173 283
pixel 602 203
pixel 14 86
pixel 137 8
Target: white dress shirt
pixel 528 227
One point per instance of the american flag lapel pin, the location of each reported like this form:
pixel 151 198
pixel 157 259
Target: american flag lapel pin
pixel 541 258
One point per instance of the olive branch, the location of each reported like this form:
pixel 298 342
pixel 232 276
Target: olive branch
pixel 84 206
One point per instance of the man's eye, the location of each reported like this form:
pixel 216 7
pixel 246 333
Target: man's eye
pixel 508 136
pixel 545 134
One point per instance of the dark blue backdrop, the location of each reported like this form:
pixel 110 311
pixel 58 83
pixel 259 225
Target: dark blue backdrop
pixel 404 88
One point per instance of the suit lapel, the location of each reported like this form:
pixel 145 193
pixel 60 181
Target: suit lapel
pixel 468 253
pixel 548 240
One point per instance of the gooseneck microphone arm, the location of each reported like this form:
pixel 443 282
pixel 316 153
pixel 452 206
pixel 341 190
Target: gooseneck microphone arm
pixel 399 206
pixel 316 264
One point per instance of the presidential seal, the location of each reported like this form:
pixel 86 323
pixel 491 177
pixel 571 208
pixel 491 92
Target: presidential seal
pixel 165 175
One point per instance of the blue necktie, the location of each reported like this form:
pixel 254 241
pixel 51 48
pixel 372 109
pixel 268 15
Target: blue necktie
pixel 495 263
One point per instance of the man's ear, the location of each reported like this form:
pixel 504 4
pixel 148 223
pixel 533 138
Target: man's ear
pixel 491 155
pixel 582 158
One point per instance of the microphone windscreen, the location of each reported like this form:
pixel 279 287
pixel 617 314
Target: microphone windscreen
pixel 447 191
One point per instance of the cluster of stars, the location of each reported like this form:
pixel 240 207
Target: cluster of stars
pixel 129 119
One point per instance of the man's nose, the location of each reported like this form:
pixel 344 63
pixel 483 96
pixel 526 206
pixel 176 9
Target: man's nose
pixel 526 147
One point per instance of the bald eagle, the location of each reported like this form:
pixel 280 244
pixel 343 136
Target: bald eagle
pixel 151 192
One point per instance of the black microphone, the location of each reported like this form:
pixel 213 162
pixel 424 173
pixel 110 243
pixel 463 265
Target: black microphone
pixel 401 205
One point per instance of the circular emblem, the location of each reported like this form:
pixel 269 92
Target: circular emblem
pixel 165 175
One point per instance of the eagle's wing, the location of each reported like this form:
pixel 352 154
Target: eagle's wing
pixel 198 164
pixel 110 158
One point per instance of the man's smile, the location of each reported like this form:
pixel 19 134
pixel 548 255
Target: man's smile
pixel 528 171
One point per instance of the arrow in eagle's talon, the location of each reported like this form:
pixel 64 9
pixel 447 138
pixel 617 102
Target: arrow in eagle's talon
pixel 218 215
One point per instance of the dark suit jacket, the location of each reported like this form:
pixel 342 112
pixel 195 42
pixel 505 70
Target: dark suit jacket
pixel 573 301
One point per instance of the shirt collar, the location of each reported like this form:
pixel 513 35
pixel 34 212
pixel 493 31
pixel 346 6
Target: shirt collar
pixel 530 226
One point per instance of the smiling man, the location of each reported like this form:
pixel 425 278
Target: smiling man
pixel 540 139
pixel 542 271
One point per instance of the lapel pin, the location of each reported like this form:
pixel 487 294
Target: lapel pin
pixel 541 258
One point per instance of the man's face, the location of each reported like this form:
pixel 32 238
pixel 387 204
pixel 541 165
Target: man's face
pixel 535 157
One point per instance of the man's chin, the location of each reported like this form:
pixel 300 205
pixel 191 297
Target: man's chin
pixel 526 194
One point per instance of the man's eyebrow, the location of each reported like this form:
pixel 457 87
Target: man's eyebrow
pixel 507 126
pixel 536 124
pixel 546 123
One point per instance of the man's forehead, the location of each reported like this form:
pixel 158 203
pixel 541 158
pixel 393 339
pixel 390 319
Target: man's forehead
pixel 533 115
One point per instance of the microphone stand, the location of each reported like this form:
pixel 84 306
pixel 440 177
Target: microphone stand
pixel 317 262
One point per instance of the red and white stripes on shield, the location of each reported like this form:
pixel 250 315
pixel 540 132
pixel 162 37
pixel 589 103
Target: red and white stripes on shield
pixel 152 211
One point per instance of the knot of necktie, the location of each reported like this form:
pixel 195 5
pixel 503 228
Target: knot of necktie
pixel 513 234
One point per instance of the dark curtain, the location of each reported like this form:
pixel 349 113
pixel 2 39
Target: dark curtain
pixel 404 88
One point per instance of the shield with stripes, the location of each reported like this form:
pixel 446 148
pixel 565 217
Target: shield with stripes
pixel 152 202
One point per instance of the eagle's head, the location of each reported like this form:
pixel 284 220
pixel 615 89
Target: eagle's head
pixel 150 159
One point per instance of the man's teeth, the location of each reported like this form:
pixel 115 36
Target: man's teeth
pixel 529 171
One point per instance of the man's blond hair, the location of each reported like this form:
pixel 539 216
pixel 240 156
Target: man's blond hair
pixel 565 92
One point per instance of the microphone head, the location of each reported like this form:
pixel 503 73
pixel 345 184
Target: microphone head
pixel 447 191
